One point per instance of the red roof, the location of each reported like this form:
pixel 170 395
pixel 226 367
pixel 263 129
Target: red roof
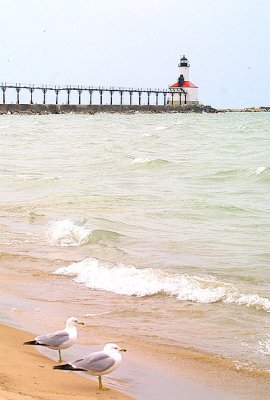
pixel 185 84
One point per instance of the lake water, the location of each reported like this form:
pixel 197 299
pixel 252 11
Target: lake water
pixel 155 227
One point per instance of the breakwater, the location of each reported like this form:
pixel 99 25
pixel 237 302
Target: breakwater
pixel 92 109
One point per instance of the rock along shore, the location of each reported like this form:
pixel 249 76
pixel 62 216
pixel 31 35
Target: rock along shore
pixel 92 109
pixel 247 109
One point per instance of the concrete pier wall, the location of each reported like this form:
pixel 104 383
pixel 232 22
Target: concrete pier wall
pixel 92 109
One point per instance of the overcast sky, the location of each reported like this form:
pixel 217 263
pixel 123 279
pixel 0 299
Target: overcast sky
pixel 137 43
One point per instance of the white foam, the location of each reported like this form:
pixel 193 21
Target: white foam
pixel 149 161
pixel 66 233
pixel 160 128
pixel 248 299
pixel 97 314
pixel 139 160
pixel 130 281
pixel 260 170
pixel 264 346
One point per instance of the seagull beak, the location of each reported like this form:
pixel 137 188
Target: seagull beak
pixel 81 323
pixel 122 350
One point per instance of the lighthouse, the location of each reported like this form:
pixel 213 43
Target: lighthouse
pixel 183 91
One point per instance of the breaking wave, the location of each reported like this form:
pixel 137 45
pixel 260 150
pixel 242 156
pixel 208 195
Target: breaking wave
pixel 261 171
pixel 157 162
pixel 130 281
pixel 67 233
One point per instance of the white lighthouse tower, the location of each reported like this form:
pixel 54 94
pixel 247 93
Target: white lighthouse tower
pixel 183 91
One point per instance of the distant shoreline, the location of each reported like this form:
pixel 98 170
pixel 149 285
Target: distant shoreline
pixel 44 109
pixel 246 109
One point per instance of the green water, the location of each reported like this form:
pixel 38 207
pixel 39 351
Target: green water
pixel 166 217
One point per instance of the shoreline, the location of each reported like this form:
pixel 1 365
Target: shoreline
pixel 177 371
pixel 199 376
pixel 29 375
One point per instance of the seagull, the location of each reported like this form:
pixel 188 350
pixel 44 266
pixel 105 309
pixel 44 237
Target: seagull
pixel 60 339
pixel 98 363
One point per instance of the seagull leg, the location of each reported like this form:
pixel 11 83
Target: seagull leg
pixel 100 386
pixel 60 356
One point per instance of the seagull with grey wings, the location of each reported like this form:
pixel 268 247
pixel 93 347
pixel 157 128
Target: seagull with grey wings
pixel 60 339
pixel 98 363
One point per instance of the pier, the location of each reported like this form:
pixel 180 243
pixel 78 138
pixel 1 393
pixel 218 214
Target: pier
pixel 91 95
pixel 49 99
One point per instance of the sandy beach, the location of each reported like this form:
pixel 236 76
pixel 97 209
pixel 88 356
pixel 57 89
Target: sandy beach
pixel 26 374
pixel 191 374
pixel 194 375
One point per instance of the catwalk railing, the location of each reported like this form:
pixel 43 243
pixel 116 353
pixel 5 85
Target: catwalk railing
pixel 96 95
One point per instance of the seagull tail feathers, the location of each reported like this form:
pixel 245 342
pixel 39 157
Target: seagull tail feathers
pixel 68 367
pixel 34 343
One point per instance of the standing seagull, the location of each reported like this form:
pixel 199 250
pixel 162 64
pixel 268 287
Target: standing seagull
pixel 98 363
pixel 60 339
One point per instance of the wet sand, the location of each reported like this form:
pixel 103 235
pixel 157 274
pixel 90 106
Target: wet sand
pixel 26 374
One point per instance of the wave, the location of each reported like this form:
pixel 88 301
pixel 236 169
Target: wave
pixel 67 233
pixel 27 180
pixel 34 215
pixel 160 128
pixel 100 235
pixel 157 162
pixel 131 281
pixel 97 314
pixel 261 171
pixel 229 173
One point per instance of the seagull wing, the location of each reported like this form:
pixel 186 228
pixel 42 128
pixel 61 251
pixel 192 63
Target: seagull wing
pixel 54 339
pixel 95 362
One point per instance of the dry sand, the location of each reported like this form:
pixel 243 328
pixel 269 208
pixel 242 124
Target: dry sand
pixel 25 374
